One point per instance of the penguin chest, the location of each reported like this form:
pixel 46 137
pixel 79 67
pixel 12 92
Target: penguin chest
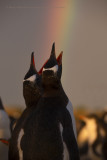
pixel 91 128
pixel 65 150
pixel 46 138
pixel 70 109
pixel 21 134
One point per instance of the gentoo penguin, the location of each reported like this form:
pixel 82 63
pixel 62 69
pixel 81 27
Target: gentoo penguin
pixel 31 93
pixel 48 133
pixel 89 138
pixel 5 132
pixel 68 103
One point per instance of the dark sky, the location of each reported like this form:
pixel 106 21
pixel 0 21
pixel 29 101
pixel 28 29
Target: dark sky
pixel 25 26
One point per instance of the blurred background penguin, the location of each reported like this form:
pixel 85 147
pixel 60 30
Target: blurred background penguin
pixel 5 131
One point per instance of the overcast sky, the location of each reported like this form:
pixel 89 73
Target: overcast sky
pixel 26 26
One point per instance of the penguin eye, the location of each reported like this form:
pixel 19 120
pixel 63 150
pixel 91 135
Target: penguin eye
pixel 54 69
pixel 31 79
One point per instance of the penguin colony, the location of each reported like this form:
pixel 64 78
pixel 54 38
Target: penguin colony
pixel 92 137
pixel 46 129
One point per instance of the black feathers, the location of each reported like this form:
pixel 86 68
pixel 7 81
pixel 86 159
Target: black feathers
pixel 1 105
pixel 32 70
pixel 46 122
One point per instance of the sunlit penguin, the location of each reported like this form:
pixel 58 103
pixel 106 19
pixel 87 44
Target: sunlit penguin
pixel 89 138
pixel 49 132
pixel 5 131
pixel 32 94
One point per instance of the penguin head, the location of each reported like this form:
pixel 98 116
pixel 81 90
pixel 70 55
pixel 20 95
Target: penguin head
pixel 52 70
pixel 31 84
pixel 91 118
pixel 90 122
pixel 1 105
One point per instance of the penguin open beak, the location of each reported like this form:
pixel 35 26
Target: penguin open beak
pixel 32 60
pixel 4 141
pixel 59 60
pixel 32 70
pixel 53 51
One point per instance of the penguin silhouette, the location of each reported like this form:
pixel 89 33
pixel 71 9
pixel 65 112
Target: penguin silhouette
pixel 5 132
pixel 48 133
pixel 66 100
pixel 31 93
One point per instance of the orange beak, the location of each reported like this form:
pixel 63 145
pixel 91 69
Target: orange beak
pixel 4 141
pixel 81 117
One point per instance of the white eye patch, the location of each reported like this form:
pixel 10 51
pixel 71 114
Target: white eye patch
pixel 54 69
pixel 31 79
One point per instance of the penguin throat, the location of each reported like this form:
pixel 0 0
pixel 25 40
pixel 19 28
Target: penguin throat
pixel 32 100
pixel 52 92
pixel 31 103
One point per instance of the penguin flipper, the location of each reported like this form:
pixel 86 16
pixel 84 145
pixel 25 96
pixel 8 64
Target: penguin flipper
pixel 68 136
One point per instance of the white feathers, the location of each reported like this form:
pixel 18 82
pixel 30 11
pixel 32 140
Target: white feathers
pixel 89 132
pixel 31 79
pixel 66 154
pixel 65 150
pixel 61 129
pixel 21 133
pixel 54 69
pixel 70 109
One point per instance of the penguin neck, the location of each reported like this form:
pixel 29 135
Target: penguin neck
pixel 31 103
pixel 59 92
pixel 50 91
pixel 63 95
